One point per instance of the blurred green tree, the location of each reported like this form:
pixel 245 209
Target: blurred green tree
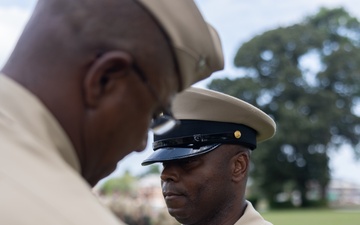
pixel 124 185
pixel 152 169
pixel 307 77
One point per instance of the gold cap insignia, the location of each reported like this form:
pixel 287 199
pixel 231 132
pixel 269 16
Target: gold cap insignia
pixel 237 134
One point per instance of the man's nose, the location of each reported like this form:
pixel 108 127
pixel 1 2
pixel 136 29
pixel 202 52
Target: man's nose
pixel 170 173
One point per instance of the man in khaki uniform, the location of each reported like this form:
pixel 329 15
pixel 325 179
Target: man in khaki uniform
pixel 79 92
pixel 206 158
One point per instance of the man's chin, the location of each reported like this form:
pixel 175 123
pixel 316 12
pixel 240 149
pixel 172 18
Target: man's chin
pixel 139 150
pixel 102 174
pixel 180 215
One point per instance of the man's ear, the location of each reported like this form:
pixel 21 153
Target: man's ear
pixel 240 165
pixel 103 74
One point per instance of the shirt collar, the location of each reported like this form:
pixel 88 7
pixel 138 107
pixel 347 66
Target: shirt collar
pixel 27 111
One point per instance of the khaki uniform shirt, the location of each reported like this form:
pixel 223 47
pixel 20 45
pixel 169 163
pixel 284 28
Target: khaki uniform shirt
pixel 251 217
pixel 40 182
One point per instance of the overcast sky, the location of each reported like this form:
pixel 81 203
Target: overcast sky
pixel 237 21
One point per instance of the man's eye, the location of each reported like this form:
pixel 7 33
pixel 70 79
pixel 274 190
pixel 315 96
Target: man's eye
pixel 184 163
pixel 189 161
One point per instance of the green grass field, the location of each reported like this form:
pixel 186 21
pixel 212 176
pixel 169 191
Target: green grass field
pixel 313 217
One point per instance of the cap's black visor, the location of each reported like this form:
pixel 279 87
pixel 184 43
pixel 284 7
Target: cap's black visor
pixel 175 153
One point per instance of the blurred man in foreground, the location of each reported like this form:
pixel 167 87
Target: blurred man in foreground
pixel 206 158
pixel 79 92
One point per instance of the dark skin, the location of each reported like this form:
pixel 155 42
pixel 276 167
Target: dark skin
pixel 78 58
pixel 208 189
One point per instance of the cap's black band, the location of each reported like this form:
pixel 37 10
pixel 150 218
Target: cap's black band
pixel 197 133
pixel 198 140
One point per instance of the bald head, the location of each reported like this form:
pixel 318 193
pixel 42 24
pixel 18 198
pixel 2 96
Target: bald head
pixel 74 32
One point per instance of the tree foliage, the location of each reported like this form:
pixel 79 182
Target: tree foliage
pixel 127 183
pixel 152 169
pixel 307 77
pixel 124 185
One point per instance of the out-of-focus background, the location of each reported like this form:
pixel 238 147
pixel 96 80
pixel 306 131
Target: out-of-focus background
pixel 299 61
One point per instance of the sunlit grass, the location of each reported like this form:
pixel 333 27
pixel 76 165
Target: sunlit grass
pixel 313 217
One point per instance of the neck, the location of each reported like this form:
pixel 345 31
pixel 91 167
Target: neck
pixel 227 216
